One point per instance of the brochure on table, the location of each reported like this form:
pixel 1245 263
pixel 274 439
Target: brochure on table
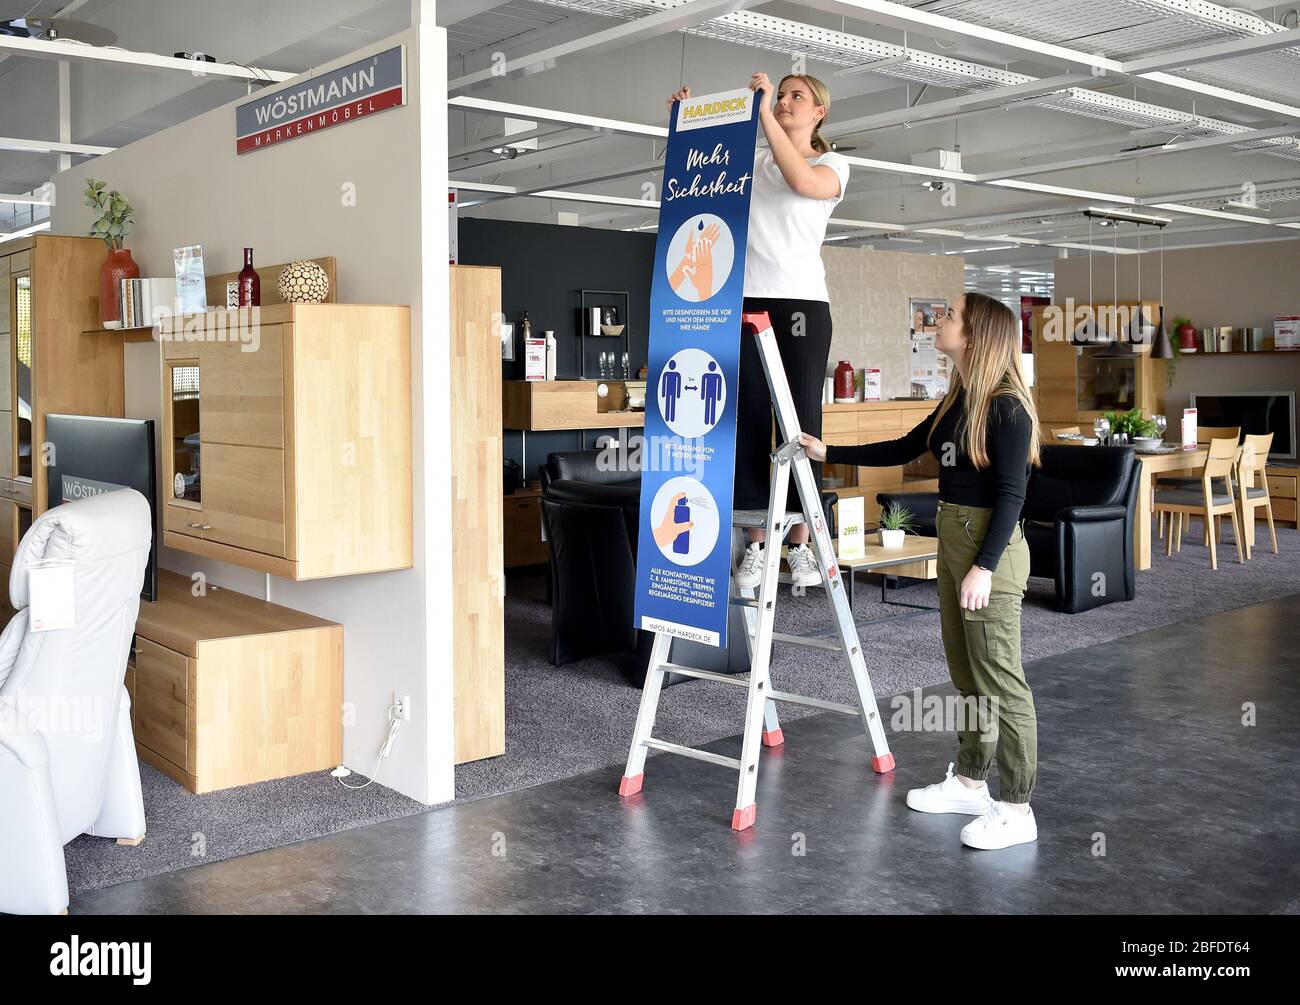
pixel 696 298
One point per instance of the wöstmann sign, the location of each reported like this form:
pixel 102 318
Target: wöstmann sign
pixel 350 92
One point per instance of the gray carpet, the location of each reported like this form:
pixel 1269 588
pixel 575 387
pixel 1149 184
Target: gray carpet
pixel 566 720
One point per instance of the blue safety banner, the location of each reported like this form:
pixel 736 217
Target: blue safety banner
pixel 688 455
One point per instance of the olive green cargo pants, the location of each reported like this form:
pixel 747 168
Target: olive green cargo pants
pixel 983 651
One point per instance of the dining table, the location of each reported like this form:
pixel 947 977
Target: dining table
pixel 1153 465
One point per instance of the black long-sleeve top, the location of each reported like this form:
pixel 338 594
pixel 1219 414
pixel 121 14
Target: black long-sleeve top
pixel 1000 486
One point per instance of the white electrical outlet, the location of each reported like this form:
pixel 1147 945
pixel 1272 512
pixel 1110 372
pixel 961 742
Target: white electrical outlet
pixel 403 705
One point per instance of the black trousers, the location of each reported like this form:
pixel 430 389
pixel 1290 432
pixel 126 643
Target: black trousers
pixel 803 336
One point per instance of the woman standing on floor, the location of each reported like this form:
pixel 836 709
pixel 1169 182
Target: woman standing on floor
pixel 985 435
pixel 797 181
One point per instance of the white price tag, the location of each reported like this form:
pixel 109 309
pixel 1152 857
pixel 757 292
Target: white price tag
pixel 53 595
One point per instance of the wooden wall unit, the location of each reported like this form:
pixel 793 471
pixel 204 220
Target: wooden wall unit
pixel 303 446
pixel 49 298
pixel 227 689
pixel 478 646
pixel 1069 378
pixel 874 422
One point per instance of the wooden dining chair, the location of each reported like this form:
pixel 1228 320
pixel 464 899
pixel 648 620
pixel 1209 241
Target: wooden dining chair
pixel 1189 478
pixel 1206 501
pixel 1252 486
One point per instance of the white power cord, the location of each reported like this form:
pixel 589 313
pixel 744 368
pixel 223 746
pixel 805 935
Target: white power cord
pixel 394 724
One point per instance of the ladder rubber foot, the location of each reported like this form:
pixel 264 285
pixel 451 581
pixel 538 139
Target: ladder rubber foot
pixel 883 764
pixel 744 819
pixel 630 785
pixel 773 737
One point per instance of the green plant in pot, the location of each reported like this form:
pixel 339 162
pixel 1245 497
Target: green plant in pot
pixel 1132 422
pixel 114 217
pixel 895 521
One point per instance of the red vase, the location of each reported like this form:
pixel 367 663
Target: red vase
pixel 1186 337
pixel 844 381
pixel 250 283
pixel 117 266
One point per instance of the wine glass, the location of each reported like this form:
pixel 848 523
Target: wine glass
pixel 1161 425
pixel 1101 426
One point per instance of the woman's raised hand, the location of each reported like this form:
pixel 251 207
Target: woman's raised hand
pixel 813 447
pixel 681 94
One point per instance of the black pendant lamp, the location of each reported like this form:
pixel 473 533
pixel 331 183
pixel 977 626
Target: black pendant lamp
pixel 1162 347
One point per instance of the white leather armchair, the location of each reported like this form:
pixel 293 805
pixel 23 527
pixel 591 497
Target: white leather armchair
pixel 67 753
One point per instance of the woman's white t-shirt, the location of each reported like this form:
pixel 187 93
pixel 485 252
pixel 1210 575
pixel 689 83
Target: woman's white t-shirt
pixel 783 256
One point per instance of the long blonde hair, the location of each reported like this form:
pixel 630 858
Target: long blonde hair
pixel 992 364
pixel 822 98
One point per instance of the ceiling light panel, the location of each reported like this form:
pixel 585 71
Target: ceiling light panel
pixel 1127 29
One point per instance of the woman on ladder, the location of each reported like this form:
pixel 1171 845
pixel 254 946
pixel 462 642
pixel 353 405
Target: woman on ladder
pixel 985 435
pixel 797 181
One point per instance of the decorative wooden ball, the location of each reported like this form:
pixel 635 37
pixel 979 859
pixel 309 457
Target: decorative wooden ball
pixel 303 282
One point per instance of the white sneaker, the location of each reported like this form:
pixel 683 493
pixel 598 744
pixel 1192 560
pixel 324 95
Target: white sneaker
pixel 1000 827
pixel 750 574
pixel 951 796
pixel 804 571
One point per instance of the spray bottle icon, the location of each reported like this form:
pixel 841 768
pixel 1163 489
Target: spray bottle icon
pixel 681 514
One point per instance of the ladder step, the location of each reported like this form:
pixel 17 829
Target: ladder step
pixel 699 755
pixel 828 706
pixel 720 678
pixel 757 518
pixel 809 641
pixel 744 602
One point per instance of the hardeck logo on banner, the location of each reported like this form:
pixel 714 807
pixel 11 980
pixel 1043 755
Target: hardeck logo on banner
pixel 696 299
pixel 350 92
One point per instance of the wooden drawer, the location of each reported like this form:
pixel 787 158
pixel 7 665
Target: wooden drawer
pixel 162 702
pixel 183 520
pixel 1283 509
pixel 521 509
pixel 839 422
pixel 881 420
pixel 1281 487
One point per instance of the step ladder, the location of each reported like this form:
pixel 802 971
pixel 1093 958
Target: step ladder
pixel 762 727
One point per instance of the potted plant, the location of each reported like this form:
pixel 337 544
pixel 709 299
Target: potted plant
pixel 1132 422
pixel 895 522
pixel 1186 333
pixel 112 223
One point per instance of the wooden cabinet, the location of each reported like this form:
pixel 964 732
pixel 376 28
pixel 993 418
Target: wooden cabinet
pixel 522 518
pixel 1282 483
pixel 227 689
pixel 286 437
pixel 51 360
pixel 1076 380
pixel 875 422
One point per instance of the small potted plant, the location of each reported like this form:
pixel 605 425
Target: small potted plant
pixel 895 522
pixel 112 223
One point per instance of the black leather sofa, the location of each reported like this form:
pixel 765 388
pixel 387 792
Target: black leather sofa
pixel 1079 514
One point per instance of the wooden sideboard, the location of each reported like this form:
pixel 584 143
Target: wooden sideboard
pixel 291 437
pixel 227 689
pixel 539 406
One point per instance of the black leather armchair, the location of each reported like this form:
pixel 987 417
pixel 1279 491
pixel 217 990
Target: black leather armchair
pixel 1078 518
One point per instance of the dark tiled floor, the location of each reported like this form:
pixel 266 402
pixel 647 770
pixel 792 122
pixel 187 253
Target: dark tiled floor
pixel 1142 747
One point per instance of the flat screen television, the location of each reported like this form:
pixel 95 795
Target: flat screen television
pixel 1255 412
pixel 91 454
